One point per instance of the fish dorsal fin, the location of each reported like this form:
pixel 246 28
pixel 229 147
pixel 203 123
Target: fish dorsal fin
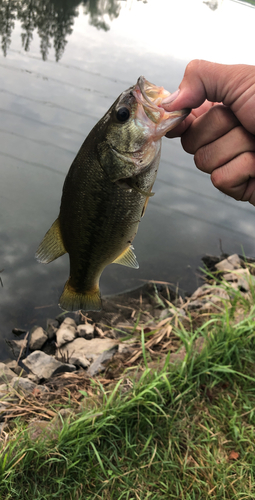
pixel 52 245
pixel 127 258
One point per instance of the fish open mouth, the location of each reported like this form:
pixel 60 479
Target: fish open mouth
pixel 151 98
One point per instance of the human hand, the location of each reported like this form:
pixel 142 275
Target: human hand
pixel 220 130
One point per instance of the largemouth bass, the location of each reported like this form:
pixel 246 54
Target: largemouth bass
pixel 106 192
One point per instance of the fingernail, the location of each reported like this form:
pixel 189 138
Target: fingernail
pixel 171 97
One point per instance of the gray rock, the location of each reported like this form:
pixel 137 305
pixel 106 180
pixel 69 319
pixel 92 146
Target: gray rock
pixel 12 364
pixel 44 366
pixel 17 347
pixel 37 339
pixel 86 331
pixel 27 385
pixel 229 264
pixel 78 359
pixel 33 378
pixel 128 346
pixel 98 365
pixel 66 332
pixel 6 375
pixel 91 349
pixel 51 328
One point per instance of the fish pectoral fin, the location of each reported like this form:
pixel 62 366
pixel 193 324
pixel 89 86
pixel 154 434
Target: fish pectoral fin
pixel 71 300
pixel 127 258
pixel 52 246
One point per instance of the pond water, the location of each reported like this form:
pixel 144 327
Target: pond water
pixel 62 64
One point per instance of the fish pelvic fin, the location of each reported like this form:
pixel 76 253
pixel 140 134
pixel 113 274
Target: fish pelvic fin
pixel 127 258
pixel 71 300
pixel 52 246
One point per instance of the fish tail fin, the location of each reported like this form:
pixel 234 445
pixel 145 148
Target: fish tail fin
pixel 52 246
pixel 71 300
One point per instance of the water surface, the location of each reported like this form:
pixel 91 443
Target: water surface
pixel 62 64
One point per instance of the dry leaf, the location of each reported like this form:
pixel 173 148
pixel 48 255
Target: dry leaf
pixel 233 455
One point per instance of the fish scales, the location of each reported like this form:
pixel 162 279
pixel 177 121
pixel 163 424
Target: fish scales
pixel 106 191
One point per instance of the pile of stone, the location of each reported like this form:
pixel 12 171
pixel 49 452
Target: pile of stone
pixel 72 348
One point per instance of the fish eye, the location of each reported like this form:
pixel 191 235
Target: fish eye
pixel 123 114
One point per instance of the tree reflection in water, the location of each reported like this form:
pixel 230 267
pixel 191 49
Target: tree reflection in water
pixel 53 20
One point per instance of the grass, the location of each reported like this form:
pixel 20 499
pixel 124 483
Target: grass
pixel 180 432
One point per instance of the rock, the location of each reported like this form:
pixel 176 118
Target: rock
pixel 98 365
pixel 78 359
pixel 37 339
pixel 18 347
pixel 229 264
pixel 18 331
pixel 242 278
pixel 33 378
pixel 12 364
pixel 44 366
pixel 88 348
pixel 27 385
pixel 200 292
pixel 66 332
pixel 195 304
pixel 86 331
pixel 6 375
pixel 52 326
pixel 127 346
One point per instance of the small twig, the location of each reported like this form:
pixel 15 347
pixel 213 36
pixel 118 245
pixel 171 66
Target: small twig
pixel 22 348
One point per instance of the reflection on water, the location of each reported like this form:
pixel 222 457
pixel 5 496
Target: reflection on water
pixel 98 8
pixel 47 108
pixel 53 20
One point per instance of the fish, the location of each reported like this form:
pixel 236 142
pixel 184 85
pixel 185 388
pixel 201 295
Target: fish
pixel 106 192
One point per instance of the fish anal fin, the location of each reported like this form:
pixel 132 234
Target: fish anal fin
pixel 127 258
pixel 52 246
pixel 71 300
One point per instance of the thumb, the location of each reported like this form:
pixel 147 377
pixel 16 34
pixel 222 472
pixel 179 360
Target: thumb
pixel 234 85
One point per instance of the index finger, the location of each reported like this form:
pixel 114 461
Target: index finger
pixel 194 114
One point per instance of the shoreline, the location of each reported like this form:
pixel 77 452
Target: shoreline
pixel 86 345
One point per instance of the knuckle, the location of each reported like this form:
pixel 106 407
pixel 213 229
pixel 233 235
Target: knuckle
pixel 203 159
pixel 192 66
pixel 217 179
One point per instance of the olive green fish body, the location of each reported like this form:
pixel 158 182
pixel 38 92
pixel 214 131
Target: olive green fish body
pixel 106 221
pixel 105 195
